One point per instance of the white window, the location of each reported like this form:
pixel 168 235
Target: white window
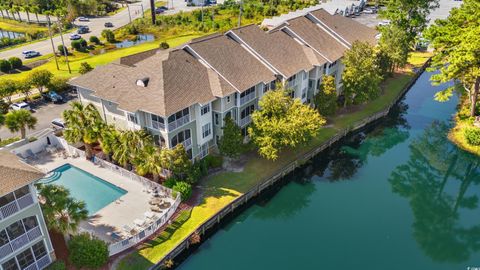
pixel 304 75
pixel 216 119
pixel 157 122
pixel 205 109
pixel 228 99
pixel 204 150
pixel 132 118
pixel 304 93
pixel 206 130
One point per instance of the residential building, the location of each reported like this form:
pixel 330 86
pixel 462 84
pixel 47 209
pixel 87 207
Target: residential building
pixel 183 95
pixel 24 239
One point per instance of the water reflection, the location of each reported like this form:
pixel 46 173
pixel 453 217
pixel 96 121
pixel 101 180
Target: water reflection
pixel 436 181
pixel 344 162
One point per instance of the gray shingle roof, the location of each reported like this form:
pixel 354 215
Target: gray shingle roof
pixel 233 62
pixel 15 173
pixel 176 80
pixel 347 28
pixel 282 52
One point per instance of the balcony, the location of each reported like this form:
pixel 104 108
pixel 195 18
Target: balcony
pixel 158 125
pixel 40 263
pixel 187 143
pixel 245 120
pixel 15 206
pixel 179 122
pixel 20 241
pixel 247 98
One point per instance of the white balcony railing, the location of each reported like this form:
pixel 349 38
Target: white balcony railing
pixel 187 143
pixel 245 120
pixel 34 233
pixel 32 266
pixel 179 122
pixel 19 242
pixel 5 250
pixel 158 125
pixel 15 206
pixel 247 98
pixel 43 262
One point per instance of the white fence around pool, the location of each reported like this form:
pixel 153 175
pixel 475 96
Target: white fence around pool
pixel 118 247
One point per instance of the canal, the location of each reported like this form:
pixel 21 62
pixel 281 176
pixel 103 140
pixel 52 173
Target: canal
pixel 397 195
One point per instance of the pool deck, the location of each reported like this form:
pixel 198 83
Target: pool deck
pixel 114 216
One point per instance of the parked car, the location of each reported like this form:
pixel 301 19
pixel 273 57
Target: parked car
pixel 368 11
pixel 52 96
pixel 21 106
pixel 30 54
pixel 75 37
pixel 83 30
pixel 83 19
pixel 58 123
pixel 159 11
pixel 108 24
pixel 384 23
pixel 163 7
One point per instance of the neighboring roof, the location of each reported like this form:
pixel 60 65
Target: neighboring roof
pixel 15 173
pixel 232 61
pixel 348 29
pixel 277 48
pixel 131 60
pixel 317 38
pixel 176 81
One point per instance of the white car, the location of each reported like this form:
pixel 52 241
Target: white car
pixel 368 11
pixel 75 37
pixel 30 54
pixel 384 23
pixel 83 19
pixel 58 123
pixel 20 106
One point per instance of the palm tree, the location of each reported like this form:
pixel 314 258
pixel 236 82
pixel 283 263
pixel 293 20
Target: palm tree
pixel 62 213
pixel 109 139
pixel 19 121
pixel 149 160
pixel 130 144
pixel 27 8
pixel 36 9
pixel 84 124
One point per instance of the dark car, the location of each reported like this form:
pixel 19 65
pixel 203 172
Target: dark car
pixel 159 10
pixel 163 7
pixel 83 30
pixel 108 24
pixel 53 97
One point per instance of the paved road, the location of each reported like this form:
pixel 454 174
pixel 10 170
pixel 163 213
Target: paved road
pixel 45 113
pixel 96 26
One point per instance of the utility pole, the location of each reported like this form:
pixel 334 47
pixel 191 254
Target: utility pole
pixel 51 40
pixel 63 43
pixel 129 15
pixel 143 11
pixel 240 14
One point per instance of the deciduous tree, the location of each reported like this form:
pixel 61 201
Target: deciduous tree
pixel 457 45
pixel 394 42
pixel 361 77
pixel 40 79
pixel 326 98
pixel 282 122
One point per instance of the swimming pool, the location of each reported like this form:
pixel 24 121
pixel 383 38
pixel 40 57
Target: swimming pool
pixel 95 192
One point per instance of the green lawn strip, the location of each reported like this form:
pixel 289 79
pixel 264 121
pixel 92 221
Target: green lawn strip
pixel 223 188
pixel 21 27
pixel 463 121
pixel 418 58
pixel 94 60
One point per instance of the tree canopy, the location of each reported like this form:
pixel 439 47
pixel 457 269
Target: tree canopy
pixel 19 121
pixel 361 77
pixel 326 99
pixel 282 122
pixel 457 51
pixel 394 42
pixel 231 144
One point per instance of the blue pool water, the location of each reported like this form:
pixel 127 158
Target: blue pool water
pixel 95 192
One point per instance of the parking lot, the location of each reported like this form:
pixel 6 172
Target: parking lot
pixel 45 112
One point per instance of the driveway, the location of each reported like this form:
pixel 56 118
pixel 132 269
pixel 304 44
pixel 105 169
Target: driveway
pixel 96 26
pixel 45 113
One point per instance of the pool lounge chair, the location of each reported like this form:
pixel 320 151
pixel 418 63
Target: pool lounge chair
pixel 139 222
pixel 149 215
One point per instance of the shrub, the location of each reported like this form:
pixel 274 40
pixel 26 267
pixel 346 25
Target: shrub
pixel 85 68
pixel 78 45
pixel 472 135
pixel 108 35
pixel 57 265
pixel 87 252
pixel 170 182
pixel 94 39
pixel 5 66
pixel 213 161
pixel 58 84
pixel 62 49
pixel 164 45
pixel 15 62
pixel 184 188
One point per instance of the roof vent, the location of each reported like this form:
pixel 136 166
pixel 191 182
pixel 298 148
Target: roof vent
pixel 143 82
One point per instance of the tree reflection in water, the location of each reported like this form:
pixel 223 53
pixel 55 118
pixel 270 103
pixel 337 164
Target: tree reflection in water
pixel 436 180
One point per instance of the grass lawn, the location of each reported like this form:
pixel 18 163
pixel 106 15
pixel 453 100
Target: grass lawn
pixel 94 60
pixel 21 27
pixel 223 188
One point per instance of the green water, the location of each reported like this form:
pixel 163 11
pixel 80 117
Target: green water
pixel 397 196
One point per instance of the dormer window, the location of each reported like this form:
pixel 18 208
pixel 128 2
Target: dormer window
pixel 143 82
